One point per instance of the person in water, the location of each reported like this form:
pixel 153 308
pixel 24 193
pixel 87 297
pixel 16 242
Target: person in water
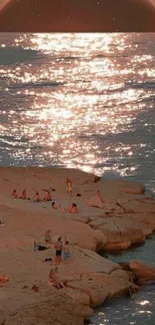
pixel 69 186
pixel 14 194
pixel 58 251
pixel 73 208
pixel 48 196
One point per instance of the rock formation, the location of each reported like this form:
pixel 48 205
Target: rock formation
pixel 89 279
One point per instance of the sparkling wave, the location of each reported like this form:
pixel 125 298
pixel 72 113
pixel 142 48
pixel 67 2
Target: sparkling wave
pixel 79 100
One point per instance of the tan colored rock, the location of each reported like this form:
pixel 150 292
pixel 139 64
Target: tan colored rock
pixel 97 223
pixel 136 206
pixel 96 202
pixel 141 270
pixel 77 217
pixel 89 279
pixel 132 188
pixel 101 286
pixel 144 222
pixel 148 219
pixel 121 233
pixel 83 310
pixel 78 296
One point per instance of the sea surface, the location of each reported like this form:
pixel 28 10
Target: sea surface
pixel 85 101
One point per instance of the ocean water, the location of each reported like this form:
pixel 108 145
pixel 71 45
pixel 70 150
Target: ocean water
pixel 79 100
pixel 85 101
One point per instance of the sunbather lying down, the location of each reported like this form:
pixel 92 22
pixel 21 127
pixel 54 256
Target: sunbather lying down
pixel 39 247
pixel 54 281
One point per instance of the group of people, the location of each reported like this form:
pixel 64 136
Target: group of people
pixel 61 249
pixel 37 197
pixel 48 197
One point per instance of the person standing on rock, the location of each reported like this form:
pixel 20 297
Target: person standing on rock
pixel 98 194
pixel 58 251
pixel 69 186
pixel 66 251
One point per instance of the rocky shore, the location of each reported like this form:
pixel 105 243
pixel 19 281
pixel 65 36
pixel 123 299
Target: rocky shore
pixel 127 218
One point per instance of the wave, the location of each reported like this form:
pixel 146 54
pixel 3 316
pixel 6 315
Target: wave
pixel 68 58
pixel 13 55
pixel 111 174
pixel 134 84
pixel 47 84
pixel 102 56
pixel 139 42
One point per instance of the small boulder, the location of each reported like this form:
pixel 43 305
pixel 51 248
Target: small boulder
pixel 142 270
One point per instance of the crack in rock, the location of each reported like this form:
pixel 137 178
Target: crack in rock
pixel 120 232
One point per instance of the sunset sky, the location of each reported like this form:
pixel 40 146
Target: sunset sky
pixel 77 15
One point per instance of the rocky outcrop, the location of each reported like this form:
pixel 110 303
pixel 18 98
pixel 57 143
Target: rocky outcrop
pixel 121 232
pixel 94 280
pixel 41 308
pixel 89 279
pixel 132 188
pixel 142 271
pixel 130 225
pixel 124 218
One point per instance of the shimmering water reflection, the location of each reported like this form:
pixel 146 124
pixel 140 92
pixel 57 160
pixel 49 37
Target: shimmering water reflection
pixel 79 100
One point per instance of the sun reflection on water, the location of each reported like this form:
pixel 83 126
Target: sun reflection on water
pixel 72 97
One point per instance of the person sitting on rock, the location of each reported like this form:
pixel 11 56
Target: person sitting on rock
pixel 48 237
pixel 73 208
pixel 37 196
pixel 14 194
pixel 69 186
pixel 53 279
pixel 54 206
pixel 48 196
pixel 24 195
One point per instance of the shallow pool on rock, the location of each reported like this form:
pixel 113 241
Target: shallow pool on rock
pixel 140 308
